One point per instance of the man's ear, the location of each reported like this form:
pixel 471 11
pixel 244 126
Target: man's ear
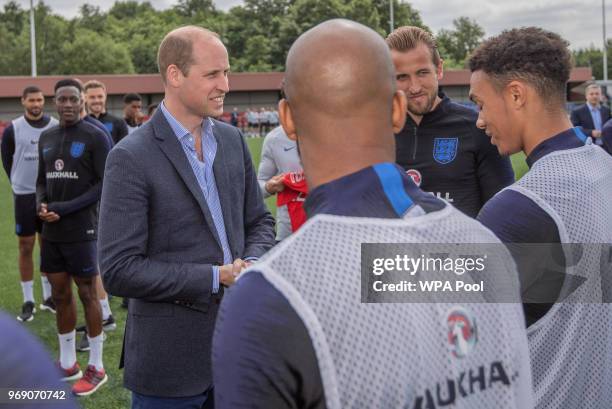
pixel 174 76
pixel 516 93
pixel 398 113
pixel 286 119
pixel 440 70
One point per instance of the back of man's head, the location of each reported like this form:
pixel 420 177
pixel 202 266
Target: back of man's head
pixel 341 99
pixel 336 71
pixel 532 55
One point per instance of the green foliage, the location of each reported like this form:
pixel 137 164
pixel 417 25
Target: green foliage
pixel 403 15
pixel 83 56
pixel 13 17
pixel 457 44
pixel 257 33
pixel 593 57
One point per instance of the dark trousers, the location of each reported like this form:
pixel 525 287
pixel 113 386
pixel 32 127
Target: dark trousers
pixel 203 401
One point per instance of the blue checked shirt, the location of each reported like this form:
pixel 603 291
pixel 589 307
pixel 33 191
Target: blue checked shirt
pixel 203 172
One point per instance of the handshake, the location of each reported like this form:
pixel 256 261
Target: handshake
pixel 229 272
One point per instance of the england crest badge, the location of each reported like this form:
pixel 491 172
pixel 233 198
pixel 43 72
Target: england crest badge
pixel 77 149
pixel 445 150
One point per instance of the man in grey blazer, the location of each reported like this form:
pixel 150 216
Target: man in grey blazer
pixel 181 216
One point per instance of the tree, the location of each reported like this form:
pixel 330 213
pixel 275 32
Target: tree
pixel 593 57
pixel 92 18
pixel 302 16
pixel 130 9
pixel 13 17
pixel 257 33
pixel 91 53
pixel 16 49
pixel 403 15
pixel 457 44
pixel 364 12
pixel 190 8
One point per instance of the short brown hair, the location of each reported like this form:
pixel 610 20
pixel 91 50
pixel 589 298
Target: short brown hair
pixel 409 37
pixel 177 50
pixel 93 84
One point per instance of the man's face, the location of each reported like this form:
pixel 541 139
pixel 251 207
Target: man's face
pixel 593 95
pixel 203 89
pixel 33 104
pixel 418 77
pixel 494 115
pixel 95 98
pixel 68 103
pixel 133 110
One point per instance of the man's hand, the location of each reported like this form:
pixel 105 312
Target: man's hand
pixel 46 215
pixel 275 184
pixel 595 133
pixel 229 272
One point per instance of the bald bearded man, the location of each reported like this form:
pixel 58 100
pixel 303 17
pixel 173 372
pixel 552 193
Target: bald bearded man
pixel 305 339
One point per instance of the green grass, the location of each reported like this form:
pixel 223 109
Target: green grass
pixel 519 165
pixel 112 395
pixel 255 145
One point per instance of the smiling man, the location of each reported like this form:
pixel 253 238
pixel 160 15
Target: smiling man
pixel 440 146
pixel 181 215
pixel 519 83
pixel 95 99
pixel 70 171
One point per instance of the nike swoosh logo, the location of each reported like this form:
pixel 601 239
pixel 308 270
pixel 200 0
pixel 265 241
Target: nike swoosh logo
pixel 288 149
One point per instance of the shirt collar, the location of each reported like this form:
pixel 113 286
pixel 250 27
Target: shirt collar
pixel 568 139
pixel 179 130
pixel 382 191
pixel 593 108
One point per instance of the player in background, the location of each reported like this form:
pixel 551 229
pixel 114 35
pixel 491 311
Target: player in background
pixel 20 162
pixel 440 146
pixel 108 321
pixel 519 83
pixel 95 101
pixel 132 111
pixel 69 184
pixel 278 157
pixel 308 340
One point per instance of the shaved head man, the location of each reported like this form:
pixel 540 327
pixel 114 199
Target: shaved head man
pixel 310 342
pixel 357 105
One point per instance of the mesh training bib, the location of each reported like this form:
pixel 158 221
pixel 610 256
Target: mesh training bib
pixel 400 355
pixel 25 159
pixel 571 346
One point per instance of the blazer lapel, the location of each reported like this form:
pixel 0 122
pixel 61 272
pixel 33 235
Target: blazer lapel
pixel 589 117
pixel 170 145
pixel 223 182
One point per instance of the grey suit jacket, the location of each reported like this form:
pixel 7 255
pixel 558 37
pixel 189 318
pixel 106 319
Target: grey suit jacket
pixel 157 245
